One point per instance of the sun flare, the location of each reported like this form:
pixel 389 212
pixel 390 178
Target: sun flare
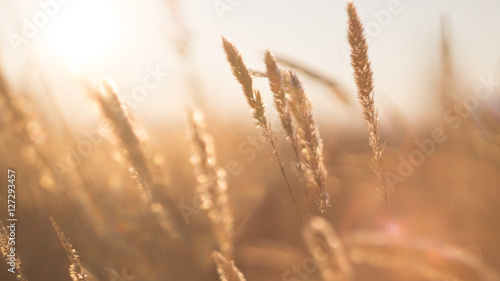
pixel 84 31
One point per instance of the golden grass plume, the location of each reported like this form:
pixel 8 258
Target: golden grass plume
pixel 312 144
pixel 212 184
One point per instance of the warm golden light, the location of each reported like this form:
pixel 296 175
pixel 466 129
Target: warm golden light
pixel 84 31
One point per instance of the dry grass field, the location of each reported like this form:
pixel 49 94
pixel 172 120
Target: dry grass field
pixel 273 193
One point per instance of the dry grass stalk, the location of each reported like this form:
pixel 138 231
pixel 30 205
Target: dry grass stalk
pixel 212 185
pixel 364 81
pixel 226 269
pixel 254 99
pixel 75 269
pixel 327 249
pixel 277 85
pixel 417 256
pixel 114 109
pixel 5 250
pixel 280 103
pixel 312 145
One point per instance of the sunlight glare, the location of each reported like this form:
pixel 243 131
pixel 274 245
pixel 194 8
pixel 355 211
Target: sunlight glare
pixel 84 31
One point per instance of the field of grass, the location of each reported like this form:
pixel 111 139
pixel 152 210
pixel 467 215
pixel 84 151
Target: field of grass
pixel 273 193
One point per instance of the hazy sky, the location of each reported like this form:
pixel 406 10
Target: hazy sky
pixel 125 39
